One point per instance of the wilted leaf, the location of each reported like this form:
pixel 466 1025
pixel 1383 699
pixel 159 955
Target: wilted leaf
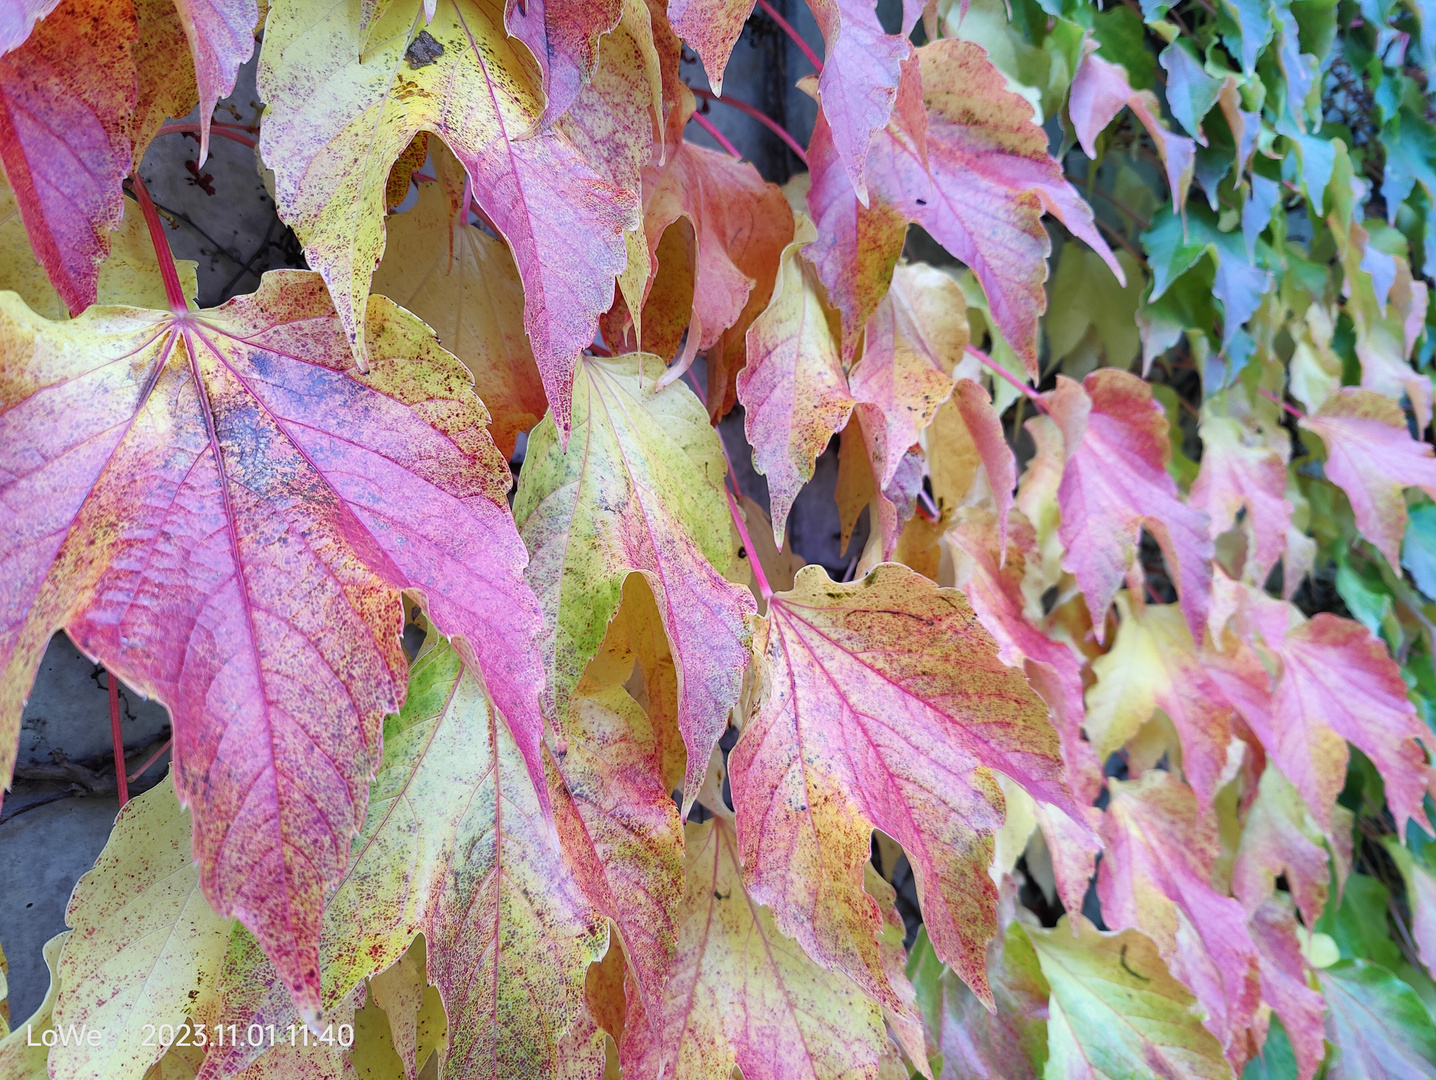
pixel 882 705
pixel 742 994
pixel 144 939
pixel 1116 1014
pixel 1115 484
pixel 1155 876
pixel 220 509
pixel 640 490
pixel 338 115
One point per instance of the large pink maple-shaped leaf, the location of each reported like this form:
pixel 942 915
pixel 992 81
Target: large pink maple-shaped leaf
pixel 971 167
pixel 66 97
pixel 1155 876
pixel 1372 457
pixel 1115 484
pixel 883 704
pixel 217 507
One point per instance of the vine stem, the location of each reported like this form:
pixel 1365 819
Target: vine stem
pixel 707 125
pixel 161 243
pixel 1276 400
pixel 121 781
pixel 1032 395
pixel 793 35
pixel 224 131
pixel 762 118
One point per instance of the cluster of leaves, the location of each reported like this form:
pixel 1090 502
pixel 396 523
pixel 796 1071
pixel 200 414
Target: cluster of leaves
pixel 1132 678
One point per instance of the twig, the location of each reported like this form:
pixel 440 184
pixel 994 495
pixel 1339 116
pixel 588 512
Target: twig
pixel 707 125
pixel 1032 395
pixel 224 131
pixel 762 118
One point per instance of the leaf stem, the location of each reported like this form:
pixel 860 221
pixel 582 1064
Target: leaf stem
pixel 1032 395
pixel 161 243
pixel 1289 408
pixel 139 772
pixel 707 125
pixel 761 578
pixel 762 118
pixel 121 782
pixel 224 131
pixel 793 35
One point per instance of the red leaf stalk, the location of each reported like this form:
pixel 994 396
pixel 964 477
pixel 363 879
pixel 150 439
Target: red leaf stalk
pixel 797 39
pixel 1032 395
pixel 707 125
pixel 762 118
pixel 173 292
pixel 121 781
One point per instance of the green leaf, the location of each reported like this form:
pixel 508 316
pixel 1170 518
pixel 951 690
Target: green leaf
pixel 1379 1027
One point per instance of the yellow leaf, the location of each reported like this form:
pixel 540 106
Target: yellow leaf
pixel 22 1052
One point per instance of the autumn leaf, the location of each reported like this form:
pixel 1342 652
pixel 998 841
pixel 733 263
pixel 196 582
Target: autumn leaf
pixel 1284 984
pixel 23 1054
pixel 1237 477
pixel 1281 838
pixel 971 167
pixel 912 343
pixel 143 937
pixel 1371 456
pixel 1378 1026
pixel 794 390
pixel 1155 876
pixel 739 227
pixel 413 1009
pixel 338 116
pixel 1154 665
pixel 19 19
pixel 994 589
pixel 1114 485
pixel 1339 684
pixel 563 36
pixel 1116 1013
pixel 1009 1043
pixel 883 705
pixel 620 827
pixel 1421 896
pixel 742 994
pixel 221 38
pixel 261 505
pixel 1099 92
pixel 66 96
pixel 639 491
pixel 463 283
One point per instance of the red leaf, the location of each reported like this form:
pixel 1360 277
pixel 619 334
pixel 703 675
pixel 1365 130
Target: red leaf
pixel 883 705
pixel 1156 876
pixel 221 38
pixel 222 512
pixel 563 36
pixel 66 96
pixel 971 167
pixel 1115 484
pixel 1284 986
pixel 1372 457
pixel 1236 476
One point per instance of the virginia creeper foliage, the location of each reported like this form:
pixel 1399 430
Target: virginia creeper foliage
pixel 1104 754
